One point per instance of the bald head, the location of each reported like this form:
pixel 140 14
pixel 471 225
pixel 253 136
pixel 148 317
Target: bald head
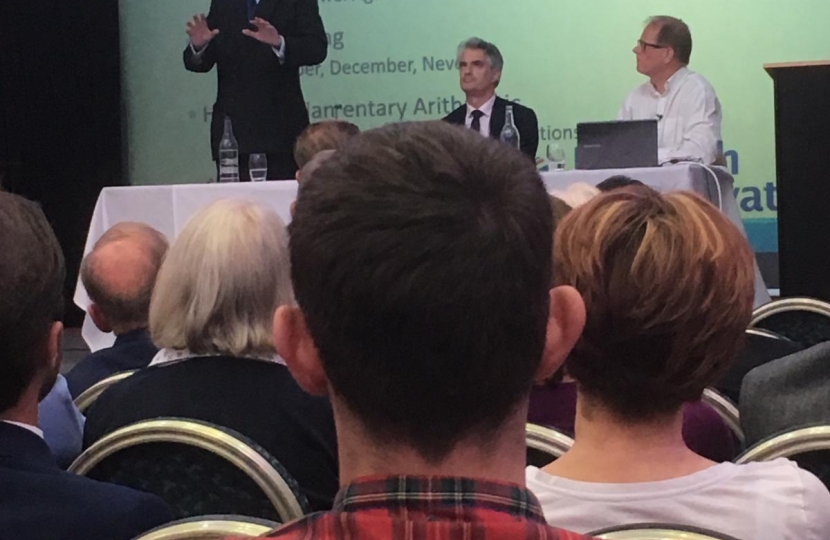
pixel 119 275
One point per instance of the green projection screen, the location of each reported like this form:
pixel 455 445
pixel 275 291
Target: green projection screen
pixel 570 60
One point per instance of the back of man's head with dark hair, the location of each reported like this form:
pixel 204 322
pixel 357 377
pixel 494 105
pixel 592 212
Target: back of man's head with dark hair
pixel 616 182
pixel 674 33
pixel 31 293
pixel 319 136
pixel 420 258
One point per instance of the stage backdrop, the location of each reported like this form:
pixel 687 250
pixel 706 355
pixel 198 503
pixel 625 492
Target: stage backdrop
pixel 570 60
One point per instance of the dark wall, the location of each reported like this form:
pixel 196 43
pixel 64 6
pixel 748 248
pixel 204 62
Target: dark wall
pixel 60 112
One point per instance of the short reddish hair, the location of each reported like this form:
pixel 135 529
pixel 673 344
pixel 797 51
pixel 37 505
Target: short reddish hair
pixel 668 285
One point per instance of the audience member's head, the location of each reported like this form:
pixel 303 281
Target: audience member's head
pixel 616 182
pixel 319 136
pixel 559 209
pixel 224 276
pixel 576 194
pixel 31 307
pixel 421 264
pixel 119 274
pixel 304 174
pixel 667 282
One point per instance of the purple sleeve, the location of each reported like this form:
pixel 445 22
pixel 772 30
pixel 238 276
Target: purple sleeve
pixel 707 434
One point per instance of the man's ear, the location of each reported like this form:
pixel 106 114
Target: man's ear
pixel 565 324
pixel 54 346
pixel 295 345
pixel 98 318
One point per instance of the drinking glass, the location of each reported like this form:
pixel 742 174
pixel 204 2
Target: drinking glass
pixel 556 157
pixel 258 167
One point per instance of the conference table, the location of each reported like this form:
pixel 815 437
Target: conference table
pixel 168 207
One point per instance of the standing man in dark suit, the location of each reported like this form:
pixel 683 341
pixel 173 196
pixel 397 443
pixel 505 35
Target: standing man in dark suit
pixel 479 65
pixel 258 47
pixel 38 500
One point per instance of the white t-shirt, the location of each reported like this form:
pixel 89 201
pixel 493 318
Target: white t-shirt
pixel 772 500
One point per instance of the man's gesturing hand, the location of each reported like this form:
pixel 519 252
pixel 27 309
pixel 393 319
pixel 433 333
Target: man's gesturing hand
pixel 199 31
pixel 265 32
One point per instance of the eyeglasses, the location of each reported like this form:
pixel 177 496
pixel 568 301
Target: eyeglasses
pixel 645 45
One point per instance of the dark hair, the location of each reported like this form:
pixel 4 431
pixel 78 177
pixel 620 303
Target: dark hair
pixel 616 182
pixel 668 284
pixel 674 33
pixel 420 256
pixel 31 292
pixel 319 136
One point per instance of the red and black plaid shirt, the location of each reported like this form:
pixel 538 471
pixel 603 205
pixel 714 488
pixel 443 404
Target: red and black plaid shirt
pixel 428 508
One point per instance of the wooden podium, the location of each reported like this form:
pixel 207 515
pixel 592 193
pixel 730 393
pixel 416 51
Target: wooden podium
pixel 802 151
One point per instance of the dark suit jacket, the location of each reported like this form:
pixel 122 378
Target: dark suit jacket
pixel 133 350
pixel 788 393
pixel 258 399
pixel 524 117
pixel 261 96
pixel 38 501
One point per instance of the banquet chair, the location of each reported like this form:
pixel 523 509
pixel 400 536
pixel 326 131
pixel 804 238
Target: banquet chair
pixel 761 346
pixel 807 446
pixel 197 468
pixel 88 396
pixel 210 528
pixel 658 531
pixel 545 444
pixel 728 411
pixel 803 320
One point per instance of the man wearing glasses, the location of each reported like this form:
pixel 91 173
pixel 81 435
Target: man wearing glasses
pixel 685 105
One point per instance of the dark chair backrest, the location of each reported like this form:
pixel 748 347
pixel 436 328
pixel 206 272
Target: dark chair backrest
pixel 808 446
pixel 210 528
pixel 545 444
pixel 803 320
pixel 197 468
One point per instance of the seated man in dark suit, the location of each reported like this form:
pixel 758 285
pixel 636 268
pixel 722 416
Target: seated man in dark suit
pixel 119 274
pixel 479 65
pixel 37 499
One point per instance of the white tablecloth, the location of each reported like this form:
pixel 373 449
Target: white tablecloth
pixel 167 208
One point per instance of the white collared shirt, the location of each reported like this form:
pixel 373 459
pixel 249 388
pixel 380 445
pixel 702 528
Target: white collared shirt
pixel 170 356
pixel 34 429
pixel 487 109
pixel 688 117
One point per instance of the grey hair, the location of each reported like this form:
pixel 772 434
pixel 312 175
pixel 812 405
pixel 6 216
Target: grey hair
pixel 493 53
pixel 222 280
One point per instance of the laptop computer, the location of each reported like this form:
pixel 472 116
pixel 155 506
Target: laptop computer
pixel 619 144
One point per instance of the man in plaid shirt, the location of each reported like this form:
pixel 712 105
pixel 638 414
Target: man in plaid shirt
pixel 421 261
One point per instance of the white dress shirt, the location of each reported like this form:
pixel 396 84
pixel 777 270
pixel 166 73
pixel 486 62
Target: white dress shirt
pixel 487 109
pixel 173 356
pixel 688 117
pixel 773 500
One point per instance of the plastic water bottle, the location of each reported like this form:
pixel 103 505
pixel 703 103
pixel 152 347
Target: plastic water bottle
pixel 228 155
pixel 510 133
